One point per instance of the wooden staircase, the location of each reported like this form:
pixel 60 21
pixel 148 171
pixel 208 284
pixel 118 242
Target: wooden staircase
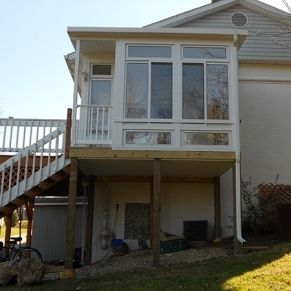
pixel 33 169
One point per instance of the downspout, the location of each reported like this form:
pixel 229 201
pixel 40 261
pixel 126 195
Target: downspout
pixel 237 151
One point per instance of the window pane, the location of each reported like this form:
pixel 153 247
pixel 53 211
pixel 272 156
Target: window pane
pixel 161 90
pixel 204 52
pixel 100 92
pixel 149 51
pixel 103 70
pixel 217 92
pixel 147 138
pixel 205 138
pixel 136 91
pixel 193 91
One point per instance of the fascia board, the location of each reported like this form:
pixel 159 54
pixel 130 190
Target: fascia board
pixel 140 33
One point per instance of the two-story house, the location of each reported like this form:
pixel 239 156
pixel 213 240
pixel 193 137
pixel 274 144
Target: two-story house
pixel 167 118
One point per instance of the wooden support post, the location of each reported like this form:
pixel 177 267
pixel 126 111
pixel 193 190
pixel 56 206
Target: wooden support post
pixel 29 213
pixel 156 212
pixel 236 242
pixel 68 133
pixel 217 210
pixel 90 216
pixel 151 213
pixel 70 231
pixel 8 224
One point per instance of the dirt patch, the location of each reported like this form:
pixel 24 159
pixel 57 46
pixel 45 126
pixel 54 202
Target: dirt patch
pixel 140 260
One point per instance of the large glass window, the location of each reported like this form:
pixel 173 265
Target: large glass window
pixel 161 90
pixel 150 85
pixel 136 90
pixel 100 92
pixel 193 91
pixel 217 91
pixel 138 93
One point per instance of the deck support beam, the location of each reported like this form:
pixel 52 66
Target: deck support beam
pixel 217 210
pixel 70 231
pixel 156 212
pixel 29 213
pixel 151 223
pixel 8 224
pixel 90 216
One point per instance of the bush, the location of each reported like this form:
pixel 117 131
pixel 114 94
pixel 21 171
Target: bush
pixel 260 215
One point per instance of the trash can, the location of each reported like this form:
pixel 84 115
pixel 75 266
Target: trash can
pixel 284 215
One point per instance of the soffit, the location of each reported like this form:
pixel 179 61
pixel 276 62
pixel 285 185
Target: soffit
pixel 169 168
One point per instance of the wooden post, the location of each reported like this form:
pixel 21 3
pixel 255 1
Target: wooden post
pixel 71 217
pixel 29 213
pixel 156 212
pixel 217 210
pixel 236 242
pixel 8 224
pixel 68 133
pixel 90 216
pixel 151 213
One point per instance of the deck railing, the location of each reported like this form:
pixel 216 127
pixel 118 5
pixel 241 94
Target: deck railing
pixel 93 125
pixel 16 134
pixel 32 164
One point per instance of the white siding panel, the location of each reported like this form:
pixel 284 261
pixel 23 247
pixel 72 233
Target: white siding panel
pixel 267 38
pixel 265 113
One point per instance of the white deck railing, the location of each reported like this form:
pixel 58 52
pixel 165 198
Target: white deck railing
pixel 93 125
pixel 33 164
pixel 16 134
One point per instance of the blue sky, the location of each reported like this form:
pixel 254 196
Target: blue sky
pixel 34 80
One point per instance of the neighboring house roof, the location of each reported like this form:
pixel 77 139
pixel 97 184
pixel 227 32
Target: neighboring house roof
pixel 218 6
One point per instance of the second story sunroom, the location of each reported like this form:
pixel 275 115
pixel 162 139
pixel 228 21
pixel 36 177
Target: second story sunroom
pixel 172 89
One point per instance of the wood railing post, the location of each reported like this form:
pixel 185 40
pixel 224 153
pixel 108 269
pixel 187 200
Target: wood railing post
pixel 68 133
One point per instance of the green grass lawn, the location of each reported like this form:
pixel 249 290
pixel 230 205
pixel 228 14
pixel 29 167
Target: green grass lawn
pixel 264 270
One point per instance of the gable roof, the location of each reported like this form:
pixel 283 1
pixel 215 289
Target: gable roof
pixel 211 8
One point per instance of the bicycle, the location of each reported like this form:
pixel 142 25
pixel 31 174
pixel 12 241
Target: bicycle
pixel 15 252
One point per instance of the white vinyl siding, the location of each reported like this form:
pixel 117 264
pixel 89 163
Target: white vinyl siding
pixel 260 43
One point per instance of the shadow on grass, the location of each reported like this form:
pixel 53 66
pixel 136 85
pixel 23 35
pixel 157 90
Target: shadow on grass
pixel 208 275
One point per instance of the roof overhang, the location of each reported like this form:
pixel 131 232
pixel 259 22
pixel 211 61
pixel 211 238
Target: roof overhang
pixel 109 33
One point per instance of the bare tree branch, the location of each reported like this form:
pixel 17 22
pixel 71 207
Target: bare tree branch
pixel 287 5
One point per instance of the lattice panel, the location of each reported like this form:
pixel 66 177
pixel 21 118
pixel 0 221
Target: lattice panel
pixel 14 176
pixel 280 192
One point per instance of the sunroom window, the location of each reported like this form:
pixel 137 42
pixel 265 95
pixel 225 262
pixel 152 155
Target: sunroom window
pixel 201 87
pixel 143 91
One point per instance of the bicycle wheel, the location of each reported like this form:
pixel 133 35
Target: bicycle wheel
pixel 26 252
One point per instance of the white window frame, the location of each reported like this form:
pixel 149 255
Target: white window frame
pixel 148 61
pixel 205 62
